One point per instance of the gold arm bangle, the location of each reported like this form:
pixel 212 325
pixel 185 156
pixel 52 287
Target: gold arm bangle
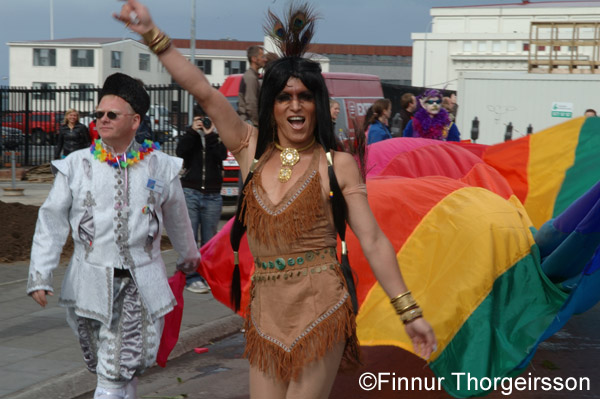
pixel 411 315
pixel 157 41
pixel 399 296
pixel 151 35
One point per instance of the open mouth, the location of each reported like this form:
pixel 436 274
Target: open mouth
pixel 296 121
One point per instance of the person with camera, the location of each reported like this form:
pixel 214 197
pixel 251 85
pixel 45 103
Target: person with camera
pixel 203 154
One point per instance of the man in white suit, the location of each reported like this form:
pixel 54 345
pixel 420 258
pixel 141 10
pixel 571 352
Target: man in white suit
pixel 115 197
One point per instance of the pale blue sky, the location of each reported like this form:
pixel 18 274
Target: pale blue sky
pixel 388 22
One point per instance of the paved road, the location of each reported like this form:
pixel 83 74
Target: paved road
pixel 37 349
pixel 222 373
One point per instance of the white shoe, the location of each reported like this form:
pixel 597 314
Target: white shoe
pixel 198 287
pixel 103 393
pixel 131 389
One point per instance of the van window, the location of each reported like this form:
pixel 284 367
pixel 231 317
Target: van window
pixel 40 118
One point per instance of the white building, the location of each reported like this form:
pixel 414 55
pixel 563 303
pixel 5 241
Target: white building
pixel 88 61
pixel 491 38
pixel 81 62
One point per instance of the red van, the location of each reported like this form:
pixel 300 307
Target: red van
pixel 355 92
pixel 43 126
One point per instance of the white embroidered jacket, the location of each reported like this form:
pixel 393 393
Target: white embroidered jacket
pixel 116 218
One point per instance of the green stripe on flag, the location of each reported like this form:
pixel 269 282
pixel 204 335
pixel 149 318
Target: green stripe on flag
pixel 500 332
pixel 585 171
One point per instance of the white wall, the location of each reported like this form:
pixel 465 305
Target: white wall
pixel 520 98
pixel 493 27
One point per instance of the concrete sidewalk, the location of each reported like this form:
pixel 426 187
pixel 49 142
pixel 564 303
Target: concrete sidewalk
pixel 39 353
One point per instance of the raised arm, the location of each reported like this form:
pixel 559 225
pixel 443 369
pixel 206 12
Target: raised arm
pixel 231 128
pixel 378 250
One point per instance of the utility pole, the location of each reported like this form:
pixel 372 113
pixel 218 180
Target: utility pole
pixel 51 19
pixel 192 58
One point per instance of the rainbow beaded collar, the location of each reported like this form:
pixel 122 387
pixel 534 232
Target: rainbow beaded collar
pixel 124 160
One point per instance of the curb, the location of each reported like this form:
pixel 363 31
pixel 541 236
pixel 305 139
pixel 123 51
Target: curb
pixel 80 382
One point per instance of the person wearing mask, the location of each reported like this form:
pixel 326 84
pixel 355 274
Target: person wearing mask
pixel 378 120
pixel 72 135
pixel 203 154
pixel 250 85
pixel 431 120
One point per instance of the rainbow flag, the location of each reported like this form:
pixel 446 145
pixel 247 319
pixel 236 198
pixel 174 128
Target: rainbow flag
pixel 463 219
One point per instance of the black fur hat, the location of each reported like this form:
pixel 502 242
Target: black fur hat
pixel 129 89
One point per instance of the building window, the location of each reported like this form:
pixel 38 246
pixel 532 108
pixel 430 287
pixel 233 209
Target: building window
pixel 481 47
pixel 232 67
pixel 115 59
pixel 525 46
pixel 205 66
pixel 541 48
pixel 86 92
pixel 144 62
pixel 44 57
pixel 467 47
pixel 512 47
pixel 496 47
pixel 82 58
pixel 43 91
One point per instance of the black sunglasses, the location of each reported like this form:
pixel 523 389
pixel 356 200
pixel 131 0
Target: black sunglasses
pixel 110 114
pixel 428 102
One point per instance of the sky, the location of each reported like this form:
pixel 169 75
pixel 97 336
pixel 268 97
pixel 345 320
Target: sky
pixel 376 22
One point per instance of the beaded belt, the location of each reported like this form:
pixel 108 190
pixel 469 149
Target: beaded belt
pixel 301 262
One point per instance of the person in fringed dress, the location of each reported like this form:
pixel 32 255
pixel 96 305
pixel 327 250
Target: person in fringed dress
pixel 298 196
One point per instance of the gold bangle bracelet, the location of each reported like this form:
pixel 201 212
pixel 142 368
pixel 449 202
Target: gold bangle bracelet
pixel 407 308
pixel 399 296
pixel 157 41
pixel 401 304
pixel 151 35
pixel 411 315
pixel 162 45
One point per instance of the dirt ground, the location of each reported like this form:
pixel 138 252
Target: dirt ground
pixel 16 234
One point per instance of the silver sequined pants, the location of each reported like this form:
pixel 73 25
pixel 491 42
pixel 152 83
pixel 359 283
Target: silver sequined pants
pixel 127 347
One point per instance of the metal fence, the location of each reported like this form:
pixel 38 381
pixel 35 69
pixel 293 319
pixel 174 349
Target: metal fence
pixel 31 118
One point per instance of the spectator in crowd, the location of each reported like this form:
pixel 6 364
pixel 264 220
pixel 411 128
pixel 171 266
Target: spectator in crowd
pixel 93 131
pixel 408 105
pixel 454 105
pixel 203 154
pixel 334 108
pixel 250 85
pixel 72 135
pixel 448 106
pixel 144 131
pixel 115 200
pixel 590 112
pixel 431 120
pixel 378 120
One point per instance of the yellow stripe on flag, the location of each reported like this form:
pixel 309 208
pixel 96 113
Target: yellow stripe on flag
pixel 551 153
pixel 450 263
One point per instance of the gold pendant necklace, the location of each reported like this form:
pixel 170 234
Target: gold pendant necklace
pixel 289 157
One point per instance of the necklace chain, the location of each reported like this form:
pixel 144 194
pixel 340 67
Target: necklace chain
pixel 289 157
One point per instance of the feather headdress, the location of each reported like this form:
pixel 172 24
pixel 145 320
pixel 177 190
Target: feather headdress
pixel 292 35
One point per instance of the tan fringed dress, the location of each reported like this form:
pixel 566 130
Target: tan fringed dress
pixel 300 307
